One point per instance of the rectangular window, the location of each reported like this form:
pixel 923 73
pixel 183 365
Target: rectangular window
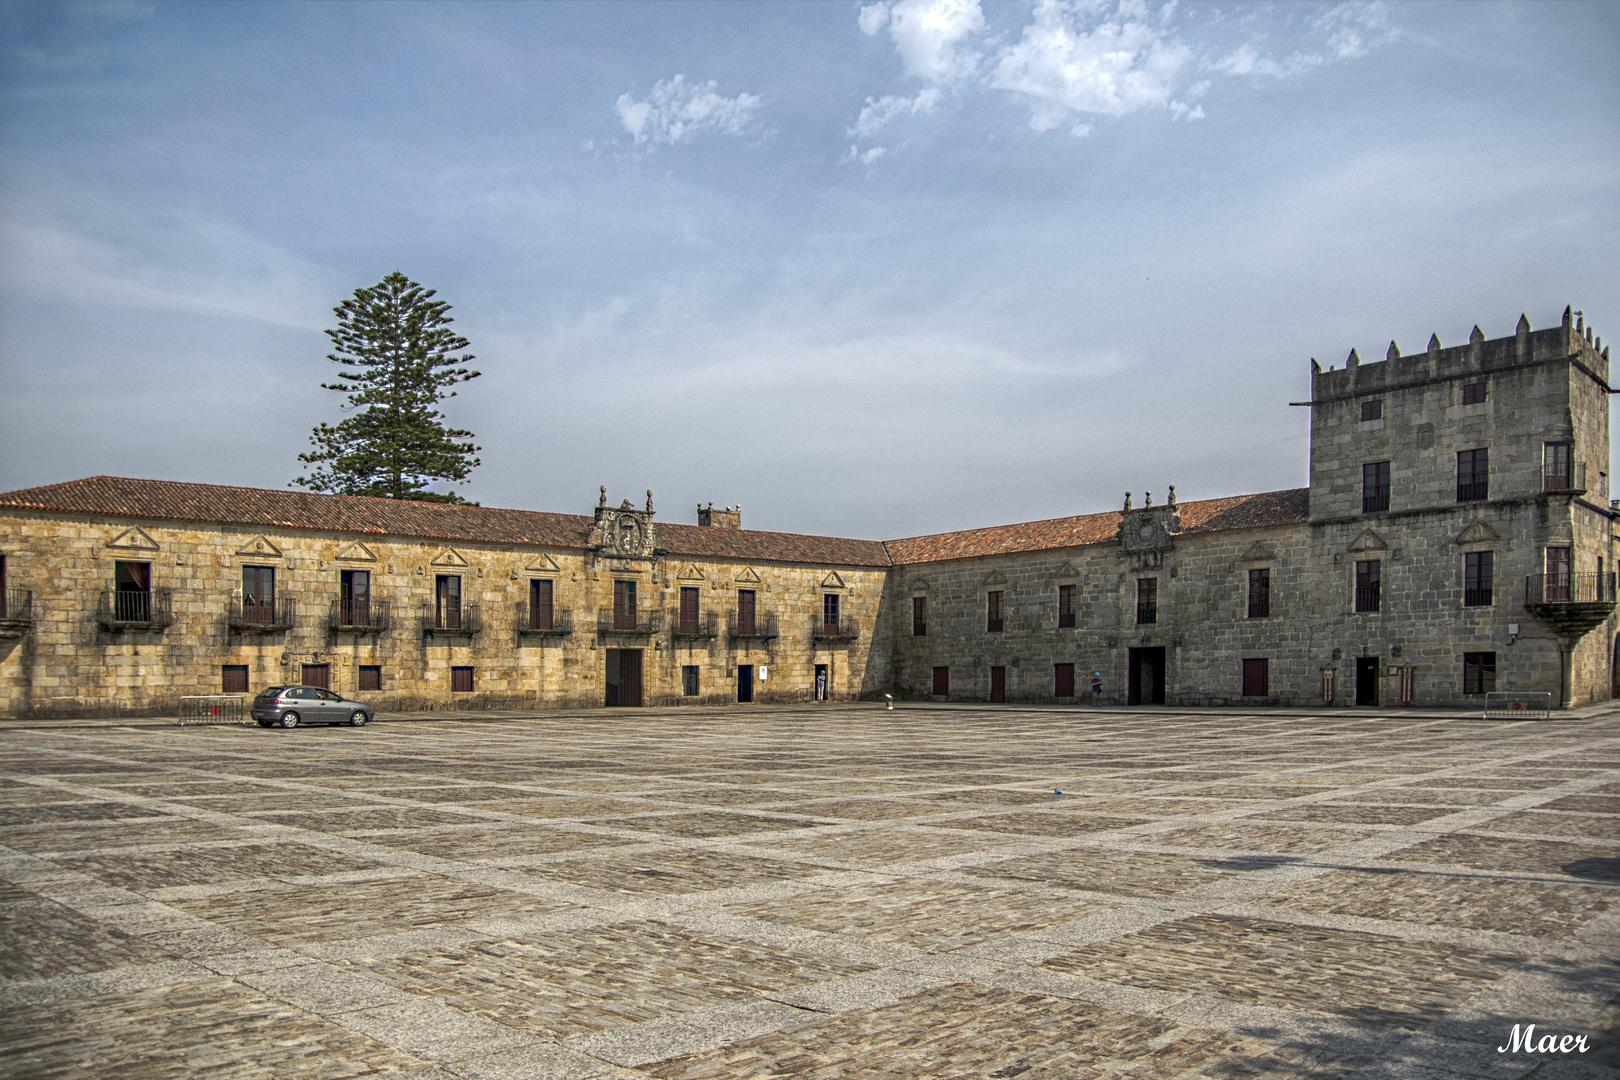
pixel 1477 572
pixel 1472 475
pixel 259 594
pixel 542 599
pixel 1260 594
pixel 829 612
pixel 992 610
pixel 746 618
pixel 624 605
pixel 689 610
pixel 461 680
pixel 1372 410
pixel 132 598
pixel 919 616
pixel 1555 471
pixel 1369 577
pixel 233 679
pixel 1375 487
pixel 689 680
pixel 1558 578
pixel 1479 672
pixel 370 677
pixel 1065 606
pixel 1063 680
pixel 942 682
pixel 354 597
pixel 1147 600
pixel 447 602
pixel 1256 677
pixel 1473 393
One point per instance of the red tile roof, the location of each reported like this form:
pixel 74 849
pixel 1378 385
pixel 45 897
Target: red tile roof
pixel 1206 515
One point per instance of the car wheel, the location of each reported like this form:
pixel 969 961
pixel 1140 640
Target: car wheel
pixel 358 718
pixel 289 719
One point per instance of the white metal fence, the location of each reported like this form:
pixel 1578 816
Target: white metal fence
pixel 1524 706
pixel 213 709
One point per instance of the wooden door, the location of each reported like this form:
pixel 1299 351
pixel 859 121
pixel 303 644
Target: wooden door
pixel 998 684
pixel 1063 680
pixel 318 675
pixel 745 682
pixel 629 676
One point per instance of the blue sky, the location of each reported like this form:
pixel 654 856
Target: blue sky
pixel 872 270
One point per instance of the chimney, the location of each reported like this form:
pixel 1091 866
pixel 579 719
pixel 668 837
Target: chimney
pixel 729 518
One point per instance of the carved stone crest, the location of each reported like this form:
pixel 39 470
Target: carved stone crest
pixel 1151 529
pixel 623 531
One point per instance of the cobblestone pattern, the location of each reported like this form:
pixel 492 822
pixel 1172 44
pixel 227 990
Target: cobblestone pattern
pixel 852 893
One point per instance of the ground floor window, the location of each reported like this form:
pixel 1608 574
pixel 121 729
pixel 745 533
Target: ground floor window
pixel 1479 672
pixel 1256 678
pixel 233 679
pixel 370 677
pixel 461 680
pixel 689 680
pixel 942 682
pixel 1063 679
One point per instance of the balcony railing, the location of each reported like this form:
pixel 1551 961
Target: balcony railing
pixel 1473 490
pixel 1065 619
pixel 1368 597
pixel 1260 606
pixel 358 616
pixel 839 629
pixel 16 612
pixel 1147 611
pixel 134 610
pixel 762 627
pixel 447 621
pixel 1569 589
pixel 542 622
pixel 1375 500
pixel 1569 478
pixel 250 616
pixel 994 624
pixel 705 624
pixel 1478 596
pixel 640 623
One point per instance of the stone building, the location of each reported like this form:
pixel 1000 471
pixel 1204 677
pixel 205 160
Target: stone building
pixel 1456 537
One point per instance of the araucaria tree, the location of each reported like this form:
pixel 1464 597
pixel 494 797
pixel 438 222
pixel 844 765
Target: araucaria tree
pixel 400 357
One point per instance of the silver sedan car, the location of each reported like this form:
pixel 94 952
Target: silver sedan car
pixel 290 706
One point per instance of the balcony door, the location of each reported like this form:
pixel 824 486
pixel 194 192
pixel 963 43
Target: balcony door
pixel 132 599
pixel 624 605
pixel 354 596
pixel 745 612
pixel 258 593
pixel 447 602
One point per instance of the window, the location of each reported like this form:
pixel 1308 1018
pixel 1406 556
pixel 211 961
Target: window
pixel 1260 593
pixel 258 593
pixel 1557 581
pixel 1375 487
pixel 689 610
pixel 624 605
pixel 447 602
pixel 542 606
pixel 689 680
pixel 1256 678
pixel 354 597
pixel 919 616
pixel 1063 680
pixel 370 677
pixel 942 682
pixel 1473 393
pixel 1372 410
pixel 1368 582
pixel 4 610
pixel 992 608
pixel 1065 606
pixel 461 680
pixel 746 618
pixel 1472 479
pixel 132 598
pixel 1147 600
pixel 1555 471
pixel 829 612
pixel 233 679
pixel 1479 672
pixel 1477 579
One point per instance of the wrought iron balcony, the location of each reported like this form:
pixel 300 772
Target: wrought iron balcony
pixel 358 616
pixel 762 627
pixel 131 609
pixel 1571 477
pixel 1473 490
pixel 1571 604
pixel 250 616
pixel 1477 596
pixel 16 612
pixel 1368 597
pixel 704 624
pixel 449 621
pixel 1147 611
pixel 839 629
pixel 1375 500
pixel 543 622
pixel 641 623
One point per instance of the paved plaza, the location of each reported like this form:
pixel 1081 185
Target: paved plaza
pixel 813 893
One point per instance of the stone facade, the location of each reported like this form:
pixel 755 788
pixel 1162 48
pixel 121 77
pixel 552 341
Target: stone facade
pixel 1259 599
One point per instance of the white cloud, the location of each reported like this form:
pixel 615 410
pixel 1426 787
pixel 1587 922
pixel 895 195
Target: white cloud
pixel 879 111
pixel 1247 60
pixel 874 17
pixel 1350 25
pixel 929 35
pixel 866 158
pixel 676 110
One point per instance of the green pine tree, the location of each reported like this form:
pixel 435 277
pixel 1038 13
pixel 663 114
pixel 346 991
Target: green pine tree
pixel 397 342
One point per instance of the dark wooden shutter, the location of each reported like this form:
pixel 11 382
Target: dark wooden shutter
pixel 829 609
pixel 461 680
pixel 998 685
pixel 745 612
pixel 318 675
pixel 689 610
pixel 624 605
pixel 233 679
pixel 540 605
pixel 370 677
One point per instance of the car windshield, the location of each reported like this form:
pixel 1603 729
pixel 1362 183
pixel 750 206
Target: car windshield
pixel 269 693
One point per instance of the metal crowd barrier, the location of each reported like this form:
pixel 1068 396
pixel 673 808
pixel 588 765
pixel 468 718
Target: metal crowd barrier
pixel 213 709
pixel 1525 706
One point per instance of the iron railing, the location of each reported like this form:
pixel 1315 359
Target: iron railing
pixel 214 709
pixel 761 627
pixel 358 616
pixel 464 620
pixel 251 616
pixel 130 609
pixel 543 622
pixel 823 628
pixel 1260 604
pixel 639 623
pixel 1569 477
pixel 1368 597
pixel 1147 611
pixel 994 624
pixel 1375 500
pixel 1524 705
pixel 16 612
pixel 1473 490
pixel 704 624
pixel 1569 589
pixel 1479 596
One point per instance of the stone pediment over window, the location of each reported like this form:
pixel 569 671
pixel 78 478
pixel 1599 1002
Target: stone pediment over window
pixel 918 585
pixel 1368 541
pixel 690 572
pixel 747 576
pixel 832 581
pixel 356 552
pixel 133 539
pixel 995 577
pixel 259 548
pixel 1066 571
pixel 542 564
pixel 1478 533
pixel 448 557
pixel 1259 551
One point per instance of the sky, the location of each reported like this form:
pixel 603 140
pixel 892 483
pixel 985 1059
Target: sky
pixel 870 270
